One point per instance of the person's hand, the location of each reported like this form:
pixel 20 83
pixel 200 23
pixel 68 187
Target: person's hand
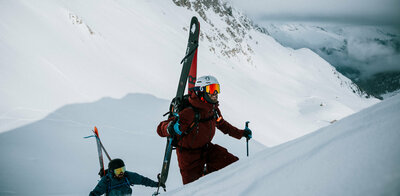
pixel 173 126
pixel 160 183
pixel 101 174
pixel 247 133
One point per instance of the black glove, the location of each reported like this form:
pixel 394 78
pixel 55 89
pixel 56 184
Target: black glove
pixel 101 174
pixel 173 126
pixel 160 183
pixel 247 133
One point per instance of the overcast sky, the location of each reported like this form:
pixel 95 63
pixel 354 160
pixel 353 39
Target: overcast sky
pixel 381 12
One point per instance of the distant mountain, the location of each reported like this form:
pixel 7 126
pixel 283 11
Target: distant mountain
pixel 52 155
pixel 228 36
pixel 368 55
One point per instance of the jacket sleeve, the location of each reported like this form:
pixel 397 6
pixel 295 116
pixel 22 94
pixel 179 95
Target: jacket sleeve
pixel 186 118
pixel 162 128
pixel 101 187
pixel 135 178
pixel 227 128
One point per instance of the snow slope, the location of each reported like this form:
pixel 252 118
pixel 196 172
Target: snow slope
pixel 358 155
pixel 54 53
pixel 51 157
pixel 59 59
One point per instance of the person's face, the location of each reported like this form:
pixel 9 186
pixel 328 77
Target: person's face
pixel 121 175
pixel 213 97
pixel 119 172
pixel 212 91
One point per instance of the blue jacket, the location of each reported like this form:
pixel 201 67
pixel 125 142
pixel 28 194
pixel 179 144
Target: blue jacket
pixel 113 186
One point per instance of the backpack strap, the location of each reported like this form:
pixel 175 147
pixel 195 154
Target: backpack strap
pixel 109 187
pixel 197 119
pixel 108 184
pixel 195 122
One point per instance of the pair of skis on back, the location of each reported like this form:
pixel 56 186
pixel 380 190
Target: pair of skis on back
pixel 188 73
pixel 100 149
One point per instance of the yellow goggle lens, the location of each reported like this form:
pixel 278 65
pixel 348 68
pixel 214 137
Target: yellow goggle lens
pixel 120 170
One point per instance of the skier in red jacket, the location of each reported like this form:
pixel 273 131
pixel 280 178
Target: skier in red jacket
pixel 197 156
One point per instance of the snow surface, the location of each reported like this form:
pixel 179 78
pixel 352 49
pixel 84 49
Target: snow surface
pixel 67 66
pixel 54 53
pixel 358 155
pixel 51 157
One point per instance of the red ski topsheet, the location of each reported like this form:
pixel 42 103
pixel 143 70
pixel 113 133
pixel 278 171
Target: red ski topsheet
pixel 193 68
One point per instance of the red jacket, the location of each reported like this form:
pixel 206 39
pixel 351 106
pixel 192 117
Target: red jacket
pixel 205 131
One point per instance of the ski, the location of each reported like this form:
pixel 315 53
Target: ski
pixel 100 153
pixel 101 144
pixel 194 46
pixel 189 68
pixel 188 73
pixel 100 147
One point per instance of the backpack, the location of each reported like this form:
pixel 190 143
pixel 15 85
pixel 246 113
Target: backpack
pixel 183 104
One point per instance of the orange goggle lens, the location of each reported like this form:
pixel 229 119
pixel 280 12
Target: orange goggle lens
pixel 120 170
pixel 213 88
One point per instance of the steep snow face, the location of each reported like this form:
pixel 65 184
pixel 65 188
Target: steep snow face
pixel 51 157
pixel 60 52
pixel 358 155
pixel 369 55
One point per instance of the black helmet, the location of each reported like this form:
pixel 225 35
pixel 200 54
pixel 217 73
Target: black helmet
pixel 115 164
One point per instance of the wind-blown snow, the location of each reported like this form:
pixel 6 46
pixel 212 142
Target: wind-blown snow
pixel 358 155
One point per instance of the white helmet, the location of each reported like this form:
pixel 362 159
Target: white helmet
pixel 207 85
pixel 204 81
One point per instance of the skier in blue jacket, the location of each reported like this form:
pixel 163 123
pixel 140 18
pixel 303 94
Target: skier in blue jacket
pixel 118 181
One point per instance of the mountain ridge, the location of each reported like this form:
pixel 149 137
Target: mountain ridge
pixel 79 52
pixel 368 55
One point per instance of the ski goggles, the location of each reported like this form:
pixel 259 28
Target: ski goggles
pixel 213 88
pixel 120 170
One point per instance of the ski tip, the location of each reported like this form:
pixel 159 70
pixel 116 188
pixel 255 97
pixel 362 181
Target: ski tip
pixel 95 131
pixel 195 26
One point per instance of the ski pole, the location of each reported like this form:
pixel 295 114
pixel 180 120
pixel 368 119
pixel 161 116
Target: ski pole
pixel 159 184
pixel 247 139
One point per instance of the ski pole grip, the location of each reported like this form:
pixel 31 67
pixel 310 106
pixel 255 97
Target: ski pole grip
pixel 247 126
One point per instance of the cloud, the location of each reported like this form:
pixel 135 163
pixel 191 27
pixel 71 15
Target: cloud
pixel 367 56
pixel 380 12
